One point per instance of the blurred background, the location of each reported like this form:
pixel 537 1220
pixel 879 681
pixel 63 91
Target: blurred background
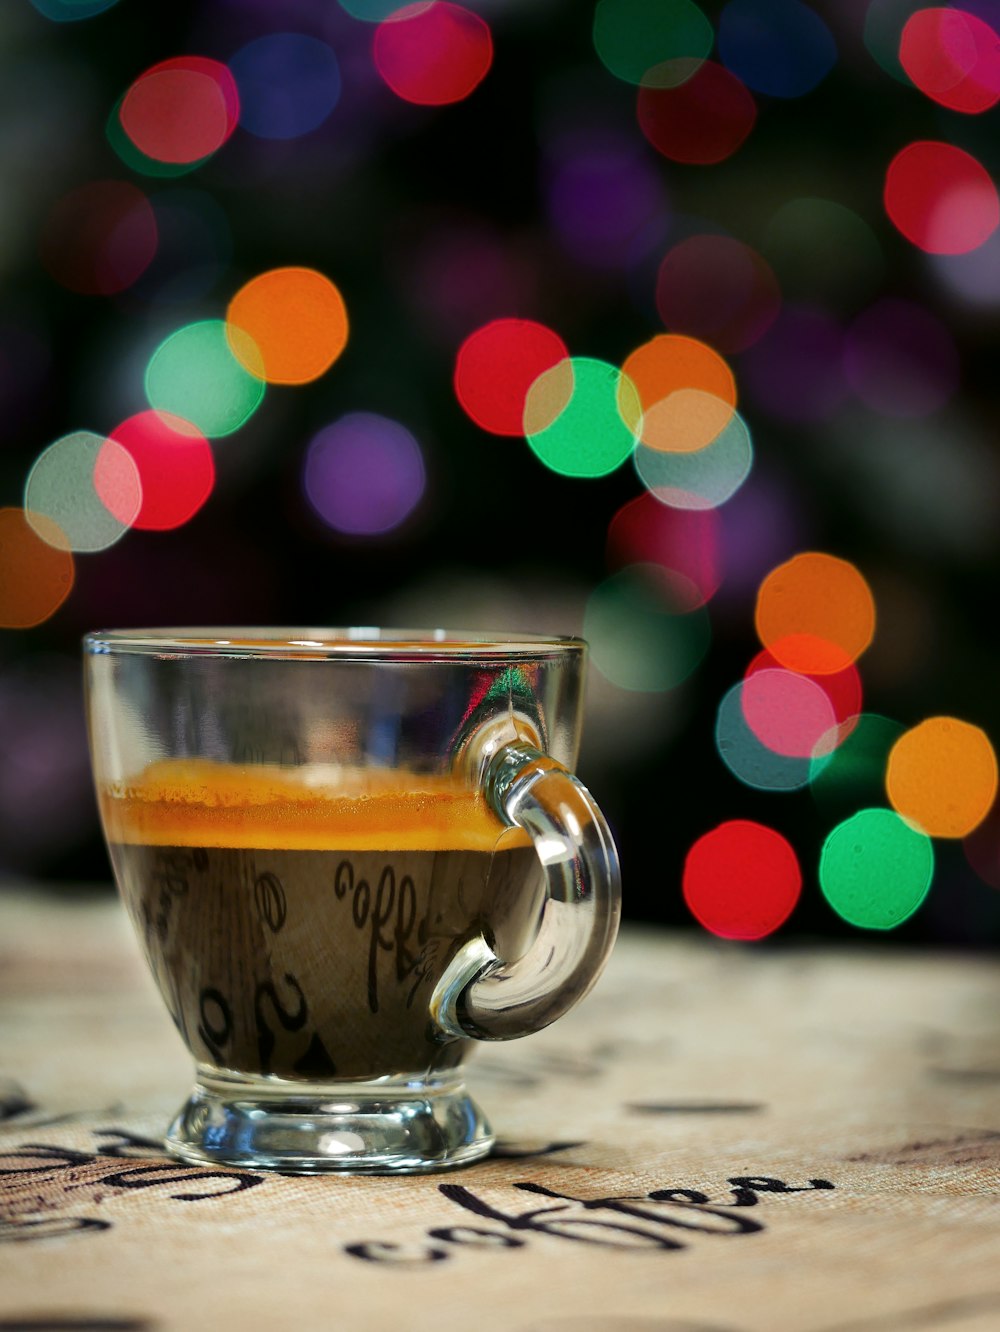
pixel 670 324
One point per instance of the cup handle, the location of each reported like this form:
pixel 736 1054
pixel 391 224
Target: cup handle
pixel 480 994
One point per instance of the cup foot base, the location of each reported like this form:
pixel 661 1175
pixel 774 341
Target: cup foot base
pixel 389 1127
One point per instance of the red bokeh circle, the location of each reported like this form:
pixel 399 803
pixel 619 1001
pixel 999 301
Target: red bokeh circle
pixel 741 880
pixel 683 542
pixel 181 110
pixel 433 54
pixel 719 290
pixel 175 465
pixel 953 57
pixel 941 198
pixel 842 687
pixel 702 120
pixel 497 365
pixel 100 238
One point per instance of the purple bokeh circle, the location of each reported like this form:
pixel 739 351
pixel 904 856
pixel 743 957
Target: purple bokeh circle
pixel 795 372
pixel 600 200
pixel 364 474
pixel 900 360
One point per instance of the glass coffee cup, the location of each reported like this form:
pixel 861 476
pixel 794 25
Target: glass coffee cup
pixel 348 854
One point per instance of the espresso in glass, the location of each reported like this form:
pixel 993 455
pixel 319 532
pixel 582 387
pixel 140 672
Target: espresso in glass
pixel 349 854
pixel 297 927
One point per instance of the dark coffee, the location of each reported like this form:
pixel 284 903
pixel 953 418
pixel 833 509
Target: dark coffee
pixel 314 962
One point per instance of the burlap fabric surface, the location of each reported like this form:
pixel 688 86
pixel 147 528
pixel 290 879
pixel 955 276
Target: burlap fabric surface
pixel 720 1139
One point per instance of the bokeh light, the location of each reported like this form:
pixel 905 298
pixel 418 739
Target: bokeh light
pixel 853 773
pixel 175 467
pixel 369 11
pixel 815 613
pixel 497 365
pixel 972 278
pixel 641 635
pixel 702 478
pixel 71 11
pixel 632 35
pixel 195 375
pixel 717 289
pixel 591 435
pixel 550 395
pixel 600 198
pixel 954 57
pixel 940 197
pixel 133 157
pixel 843 689
pixel 747 757
pixel 683 542
pixel 875 869
pixel 181 110
pixel 741 880
pixel 777 47
pixel 670 361
pixel 942 776
pixel 789 713
pixel 433 54
pixel 288 84
pixel 795 372
pixel 685 421
pixel 801 230
pixel 61 498
pixel 287 326
pixel 99 239
pixel 695 113
pixel 900 360
pixel 364 475
pixel 36 576
pixel 687 392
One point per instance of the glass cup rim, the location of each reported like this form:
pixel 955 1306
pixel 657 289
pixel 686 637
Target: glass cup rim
pixel 353 643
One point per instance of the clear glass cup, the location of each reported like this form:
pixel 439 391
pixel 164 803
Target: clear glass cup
pixel 347 854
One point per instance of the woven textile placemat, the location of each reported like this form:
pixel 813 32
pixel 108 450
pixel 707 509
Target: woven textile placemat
pixel 721 1138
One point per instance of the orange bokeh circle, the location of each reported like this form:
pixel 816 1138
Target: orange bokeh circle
pixel 942 776
pixel 687 392
pixel 36 575
pixel 815 613
pixel 296 321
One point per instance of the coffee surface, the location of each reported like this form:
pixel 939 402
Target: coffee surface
pixel 194 802
pixel 298 927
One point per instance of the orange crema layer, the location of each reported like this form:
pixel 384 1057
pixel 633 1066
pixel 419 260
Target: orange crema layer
pixel 194 802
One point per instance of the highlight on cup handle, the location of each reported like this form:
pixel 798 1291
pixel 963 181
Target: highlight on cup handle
pixel 482 995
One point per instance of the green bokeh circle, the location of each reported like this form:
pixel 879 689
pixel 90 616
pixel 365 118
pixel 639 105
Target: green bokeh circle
pixel 194 374
pixel 589 436
pixel 875 869
pixel 639 639
pixel 631 36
